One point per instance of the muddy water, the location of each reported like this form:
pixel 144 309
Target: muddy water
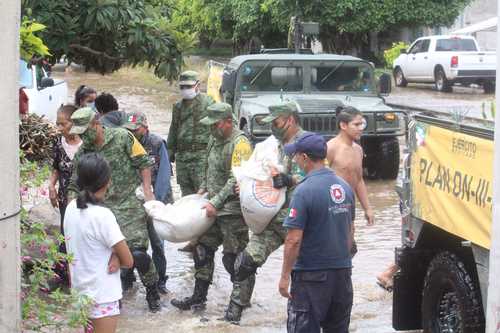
pixel 136 90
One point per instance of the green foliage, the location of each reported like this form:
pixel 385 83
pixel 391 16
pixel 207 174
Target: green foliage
pixel 31 45
pixel 104 35
pixel 391 54
pixel 44 309
pixel 344 24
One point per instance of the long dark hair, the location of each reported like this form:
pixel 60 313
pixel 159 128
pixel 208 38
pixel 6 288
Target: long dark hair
pixel 82 92
pixel 92 173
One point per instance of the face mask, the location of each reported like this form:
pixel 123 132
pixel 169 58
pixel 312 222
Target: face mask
pixel 89 137
pixel 188 93
pixel 279 133
pixel 91 105
pixel 216 132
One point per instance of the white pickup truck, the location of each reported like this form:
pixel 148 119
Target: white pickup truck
pixel 444 61
pixel 45 94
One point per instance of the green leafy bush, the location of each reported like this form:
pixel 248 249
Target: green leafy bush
pixel 391 54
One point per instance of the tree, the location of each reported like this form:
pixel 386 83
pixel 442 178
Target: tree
pixel 104 35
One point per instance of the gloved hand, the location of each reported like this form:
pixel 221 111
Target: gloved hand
pixel 282 180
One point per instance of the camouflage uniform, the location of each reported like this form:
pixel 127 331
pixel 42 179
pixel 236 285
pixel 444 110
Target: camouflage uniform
pixel 126 157
pixel 187 139
pixel 263 244
pixel 229 228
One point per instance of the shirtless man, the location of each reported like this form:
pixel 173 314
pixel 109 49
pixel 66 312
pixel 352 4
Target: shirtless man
pixel 345 156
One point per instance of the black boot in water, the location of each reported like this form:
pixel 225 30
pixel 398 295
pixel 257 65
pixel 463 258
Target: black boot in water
pixel 197 300
pixel 153 298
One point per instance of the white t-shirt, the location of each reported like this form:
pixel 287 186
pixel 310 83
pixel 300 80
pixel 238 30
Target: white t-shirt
pixel 90 234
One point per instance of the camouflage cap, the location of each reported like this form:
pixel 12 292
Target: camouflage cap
pixel 282 109
pixel 81 119
pixel 216 112
pixel 134 120
pixel 189 78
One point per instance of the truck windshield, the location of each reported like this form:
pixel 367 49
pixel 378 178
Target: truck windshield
pixel 455 44
pixel 343 76
pixel 25 75
pixel 270 77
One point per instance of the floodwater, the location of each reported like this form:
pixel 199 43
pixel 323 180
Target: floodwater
pixel 138 90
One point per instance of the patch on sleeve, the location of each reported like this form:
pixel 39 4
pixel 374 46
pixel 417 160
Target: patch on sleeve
pixel 137 148
pixel 292 213
pixel 242 151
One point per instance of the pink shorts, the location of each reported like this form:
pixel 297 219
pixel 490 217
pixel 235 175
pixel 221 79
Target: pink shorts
pixel 105 310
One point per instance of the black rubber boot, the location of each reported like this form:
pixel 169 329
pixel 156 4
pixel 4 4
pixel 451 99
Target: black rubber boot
pixel 153 298
pixel 128 280
pixel 162 288
pixel 197 300
pixel 233 313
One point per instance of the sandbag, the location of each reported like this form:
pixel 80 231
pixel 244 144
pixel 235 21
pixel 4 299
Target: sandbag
pixel 260 201
pixel 182 221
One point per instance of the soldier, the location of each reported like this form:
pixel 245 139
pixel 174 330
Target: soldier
pixel 155 146
pixel 129 164
pixel 285 127
pixel 187 138
pixel 227 148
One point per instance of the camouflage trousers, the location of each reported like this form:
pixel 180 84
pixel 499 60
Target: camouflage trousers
pixel 231 232
pixel 189 174
pixel 262 245
pixel 136 235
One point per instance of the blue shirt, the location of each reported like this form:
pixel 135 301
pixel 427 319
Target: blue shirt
pixel 323 207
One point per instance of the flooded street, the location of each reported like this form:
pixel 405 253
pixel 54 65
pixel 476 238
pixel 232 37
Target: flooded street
pixel 372 310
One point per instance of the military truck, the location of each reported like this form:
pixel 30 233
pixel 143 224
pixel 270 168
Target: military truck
pixel 318 83
pixel 445 188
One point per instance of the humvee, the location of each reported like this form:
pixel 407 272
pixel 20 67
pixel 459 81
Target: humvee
pixel 318 83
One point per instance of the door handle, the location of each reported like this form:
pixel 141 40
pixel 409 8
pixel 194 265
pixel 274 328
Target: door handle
pixel 50 97
pixel 425 57
pixel 413 58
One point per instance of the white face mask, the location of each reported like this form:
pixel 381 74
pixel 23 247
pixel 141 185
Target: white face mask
pixel 188 93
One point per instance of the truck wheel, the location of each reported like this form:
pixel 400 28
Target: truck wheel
pixel 440 82
pixel 489 87
pixel 388 158
pixel 451 301
pixel 399 78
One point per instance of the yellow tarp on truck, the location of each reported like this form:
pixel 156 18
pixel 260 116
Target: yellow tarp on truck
pixel 451 180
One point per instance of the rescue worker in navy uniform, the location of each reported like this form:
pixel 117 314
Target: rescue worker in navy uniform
pixel 317 257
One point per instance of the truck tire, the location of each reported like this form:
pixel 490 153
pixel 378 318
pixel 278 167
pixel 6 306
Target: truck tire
pixel 399 78
pixel 388 158
pixel 441 82
pixel 451 302
pixel 489 87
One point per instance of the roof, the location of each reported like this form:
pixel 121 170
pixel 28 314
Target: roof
pixel 451 35
pixel 486 25
pixel 237 61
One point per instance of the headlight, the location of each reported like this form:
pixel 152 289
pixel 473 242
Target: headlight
pixel 388 121
pixel 260 128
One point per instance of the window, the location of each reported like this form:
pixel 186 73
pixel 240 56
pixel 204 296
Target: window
pixel 415 48
pixel 266 77
pixel 25 75
pixel 455 44
pixel 343 76
pixel 425 45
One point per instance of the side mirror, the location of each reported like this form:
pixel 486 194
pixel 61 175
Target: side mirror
pixel 228 81
pixel 385 84
pixel 402 51
pixel 46 82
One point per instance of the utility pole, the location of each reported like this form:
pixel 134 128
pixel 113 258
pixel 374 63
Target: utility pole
pixel 493 305
pixel 10 276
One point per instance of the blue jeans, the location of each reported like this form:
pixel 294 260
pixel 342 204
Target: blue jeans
pixel 320 300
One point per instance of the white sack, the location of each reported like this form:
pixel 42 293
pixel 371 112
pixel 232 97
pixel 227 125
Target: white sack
pixel 260 201
pixel 182 221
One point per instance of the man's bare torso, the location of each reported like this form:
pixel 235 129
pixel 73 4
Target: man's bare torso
pixel 346 160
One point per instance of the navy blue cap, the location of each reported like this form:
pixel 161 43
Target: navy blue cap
pixel 310 143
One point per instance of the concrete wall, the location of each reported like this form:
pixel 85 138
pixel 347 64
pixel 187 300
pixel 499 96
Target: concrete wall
pixel 477 11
